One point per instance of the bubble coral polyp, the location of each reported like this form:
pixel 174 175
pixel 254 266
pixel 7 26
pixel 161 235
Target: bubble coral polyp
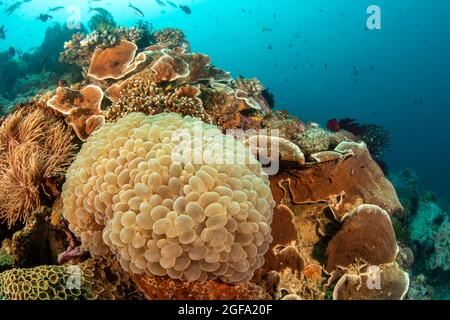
pixel 170 208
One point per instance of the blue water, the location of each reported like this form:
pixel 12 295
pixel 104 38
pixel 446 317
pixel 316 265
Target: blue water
pixel 403 79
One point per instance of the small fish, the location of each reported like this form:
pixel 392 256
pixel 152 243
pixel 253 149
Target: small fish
pixel 44 17
pixel 160 3
pixel 136 10
pixel 2 33
pixel 265 29
pixel 13 8
pixel 186 9
pixel 173 5
pixel 54 9
pixel 270 47
pixel 103 12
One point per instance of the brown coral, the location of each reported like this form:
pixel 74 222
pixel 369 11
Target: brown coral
pixel 82 109
pixel 366 235
pixel 35 147
pixel 141 94
pixel 162 288
pixel 343 184
pixel 169 38
pixel 115 62
pixel 387 282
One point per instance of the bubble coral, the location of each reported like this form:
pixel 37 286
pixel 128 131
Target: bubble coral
pixel 34 147
pixel 166 207
pixel 94 279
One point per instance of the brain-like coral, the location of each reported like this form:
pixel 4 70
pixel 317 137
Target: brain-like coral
pixel 170 202
pixel 96 278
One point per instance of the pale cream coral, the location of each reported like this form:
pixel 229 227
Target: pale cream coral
pixel 168 202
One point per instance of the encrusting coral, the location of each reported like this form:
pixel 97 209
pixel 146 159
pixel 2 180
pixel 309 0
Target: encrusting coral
pixel 166 202
pixel 35 150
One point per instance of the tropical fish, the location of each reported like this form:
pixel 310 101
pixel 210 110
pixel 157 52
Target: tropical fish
pixel 2 33
pixel 101 11
pixel 173 5
pixel 44 17
pixel 160 3
pixel 13 8
pixel 186 9
pixel 136 10
pixel 54 9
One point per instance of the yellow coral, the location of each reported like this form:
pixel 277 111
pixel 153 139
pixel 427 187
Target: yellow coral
pixel 166 200
pixel 94 279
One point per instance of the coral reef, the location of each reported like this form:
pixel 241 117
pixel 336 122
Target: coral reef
pixel 362 284
pixel 81 48
pixel 35 150
pixel 156 288
pixel 82 109
pixel 115 62
pixel 95 279
pixel 170 38
pixel 441 255
pixel 163 212
pixel 138 190
pixel 420 289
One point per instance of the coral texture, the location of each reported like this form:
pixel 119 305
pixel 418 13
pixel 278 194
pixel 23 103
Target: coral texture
pixel 157 288
pixel 166 208
pixel 95 279
pixel 82 109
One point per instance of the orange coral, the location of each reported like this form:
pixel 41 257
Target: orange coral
pixel 158 288
pixel 343 184
pixel 81 108
pixel 35 147
pixel 116 62
pixel 366 235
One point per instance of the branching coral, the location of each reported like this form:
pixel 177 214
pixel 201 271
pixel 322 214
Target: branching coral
pixel 34 147
pixel 140 94
pixel 169 38
pixel 81 48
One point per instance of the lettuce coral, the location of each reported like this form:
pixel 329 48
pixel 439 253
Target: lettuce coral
pixel 161 193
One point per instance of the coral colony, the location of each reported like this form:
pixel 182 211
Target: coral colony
pixel 129 181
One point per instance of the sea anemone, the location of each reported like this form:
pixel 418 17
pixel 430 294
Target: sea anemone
pixel 34 149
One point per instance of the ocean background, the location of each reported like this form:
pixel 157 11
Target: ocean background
pixel 317 57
